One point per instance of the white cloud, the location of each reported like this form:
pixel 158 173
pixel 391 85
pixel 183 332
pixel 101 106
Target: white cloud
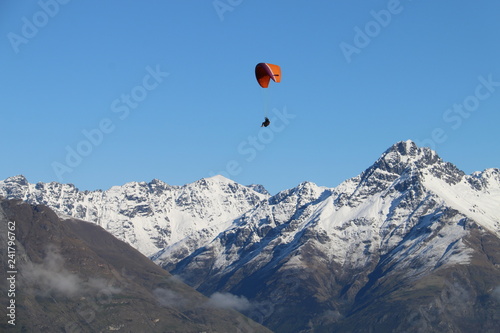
pixel 50 277
pixel 496 293
pixel 229 301
pixel 169 298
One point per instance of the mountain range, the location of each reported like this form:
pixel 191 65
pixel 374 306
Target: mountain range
pixel 411 244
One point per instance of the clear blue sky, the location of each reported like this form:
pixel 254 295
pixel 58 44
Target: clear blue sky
pixel 166 89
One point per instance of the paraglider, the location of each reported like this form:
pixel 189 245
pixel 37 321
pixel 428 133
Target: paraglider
pixel 264 73
pixel 265 123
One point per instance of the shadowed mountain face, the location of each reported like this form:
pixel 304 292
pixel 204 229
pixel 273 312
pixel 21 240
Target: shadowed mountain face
pixel 73 276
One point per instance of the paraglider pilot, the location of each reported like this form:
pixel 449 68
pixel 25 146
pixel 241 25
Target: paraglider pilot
pixel 265 123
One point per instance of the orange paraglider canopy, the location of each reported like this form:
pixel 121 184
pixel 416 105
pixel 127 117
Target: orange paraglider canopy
pixel 265 72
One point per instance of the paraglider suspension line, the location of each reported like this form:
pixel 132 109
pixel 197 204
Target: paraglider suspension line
pixel 265 102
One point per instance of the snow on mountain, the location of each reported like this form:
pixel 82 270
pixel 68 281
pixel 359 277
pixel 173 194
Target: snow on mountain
pixel 259 188
pixel 149 216
pixel 170 222
pixel 371 213
pixel 406 216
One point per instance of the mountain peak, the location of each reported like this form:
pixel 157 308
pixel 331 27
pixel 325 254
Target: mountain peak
pixel 14 187
pixel 259 189
pixel 403 154
pixel 223 181
pixel 407 147
pixel 219 179
pixel 19 179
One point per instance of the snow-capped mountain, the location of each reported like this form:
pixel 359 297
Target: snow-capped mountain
pixel 321 257
pixel 148 216
pixel 412 242
pixel 372 212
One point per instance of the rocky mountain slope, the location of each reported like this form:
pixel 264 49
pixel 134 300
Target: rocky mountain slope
pixel 73 276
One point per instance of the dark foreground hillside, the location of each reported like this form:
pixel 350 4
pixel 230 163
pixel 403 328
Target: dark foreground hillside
pixel 73 276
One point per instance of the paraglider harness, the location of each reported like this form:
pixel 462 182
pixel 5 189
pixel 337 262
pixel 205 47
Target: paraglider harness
pixel 265 123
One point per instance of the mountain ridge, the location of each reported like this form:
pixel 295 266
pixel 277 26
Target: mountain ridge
pixel 141 213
